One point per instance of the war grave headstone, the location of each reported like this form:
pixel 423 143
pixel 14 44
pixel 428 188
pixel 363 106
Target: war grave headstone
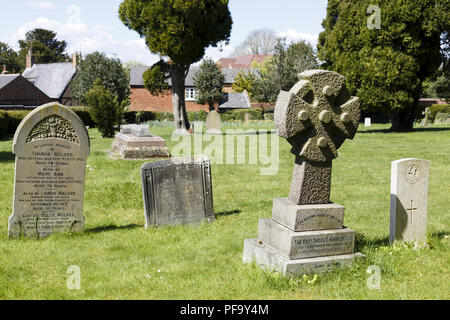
pixel 136 142
pixel 51 146
pixel 213 123
pixel 177 191
pixel 306 233
pixel 368 122
pixel 409 200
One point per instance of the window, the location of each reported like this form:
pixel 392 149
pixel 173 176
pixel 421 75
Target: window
pixel 191 94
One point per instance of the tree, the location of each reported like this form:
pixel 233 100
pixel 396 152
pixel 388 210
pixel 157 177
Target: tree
pixel 384 65
pixel 9 58
pixel 282 70
pixel 261 41
pixel 44 45
pixel 127 66
pixel 104 109
pixel 110 72
pixel 209 81
pixel 180 30
pixel 245 81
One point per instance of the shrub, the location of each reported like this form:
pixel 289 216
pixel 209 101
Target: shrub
pixel 104 109
pixel 15 118
pixel 4 124
pixel 197 115
pixel 84 114
pixel 437 108
pixel 239 115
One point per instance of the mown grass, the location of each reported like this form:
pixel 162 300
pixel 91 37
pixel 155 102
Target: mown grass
pixel 119 259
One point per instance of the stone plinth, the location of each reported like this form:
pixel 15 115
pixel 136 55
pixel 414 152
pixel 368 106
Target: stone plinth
pixel 136 142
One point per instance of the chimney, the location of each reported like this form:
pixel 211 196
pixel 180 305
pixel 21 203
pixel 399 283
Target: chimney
pixel 4 70
pixel 75 60
pixel 30 60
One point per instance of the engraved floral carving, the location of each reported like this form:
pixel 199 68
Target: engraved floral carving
pixel 53 127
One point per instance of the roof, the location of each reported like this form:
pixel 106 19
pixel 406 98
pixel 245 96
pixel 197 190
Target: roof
pixel 242 62
pixel 136 76
pixel 6 79
pixel 236 101
pixel 51 78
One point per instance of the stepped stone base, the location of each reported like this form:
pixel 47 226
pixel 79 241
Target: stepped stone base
pixel 128 146
pixel 270 259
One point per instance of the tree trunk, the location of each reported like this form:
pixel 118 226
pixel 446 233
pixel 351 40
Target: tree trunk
pixel 403 120
pixel 178 75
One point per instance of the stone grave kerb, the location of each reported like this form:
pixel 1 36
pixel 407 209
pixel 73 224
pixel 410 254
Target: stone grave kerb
pixel 316 116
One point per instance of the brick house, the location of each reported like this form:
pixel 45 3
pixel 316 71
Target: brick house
pixel 16 92
pixel 143 100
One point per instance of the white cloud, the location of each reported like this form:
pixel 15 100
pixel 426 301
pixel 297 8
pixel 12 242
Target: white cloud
pixel 293 36
pixel 42 5
pixel 87 39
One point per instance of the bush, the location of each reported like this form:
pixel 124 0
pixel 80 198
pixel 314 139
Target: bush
pixel 239 115
pixel 104 109
pixel 84 114
pixel 4 124
pixel 15 118
pixel 437 108
pixel 197 115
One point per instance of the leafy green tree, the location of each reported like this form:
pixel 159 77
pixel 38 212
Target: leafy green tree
pixel 245 81
pixel 9 58
pixel 281 72
pixel 180 30
pixel 209 81
pixel 110 72
pixel 44 45
pixel 104 109
pixel 385 65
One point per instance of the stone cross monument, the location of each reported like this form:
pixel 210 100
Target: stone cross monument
pixel 306 232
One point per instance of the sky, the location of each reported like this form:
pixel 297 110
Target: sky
pixel 93 25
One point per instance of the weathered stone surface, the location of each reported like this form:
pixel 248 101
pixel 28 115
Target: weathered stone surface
pixel 136 142
pixel 308 217
pixel 213 123
pixel 270 259
pixel 308 244
pixel 177 191
pixel 51 146
pixel 409 200
pixel 316 116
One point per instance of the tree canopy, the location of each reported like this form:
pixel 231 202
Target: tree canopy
pixel 180 30
pixel 384 65
pixel 209 81
pixel 9 58
pixel 261 41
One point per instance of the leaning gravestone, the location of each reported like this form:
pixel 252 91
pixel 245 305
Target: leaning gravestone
pixel 213 123
pixel 409 200
pixel 51 146
pixel 306 233
pixel 177 191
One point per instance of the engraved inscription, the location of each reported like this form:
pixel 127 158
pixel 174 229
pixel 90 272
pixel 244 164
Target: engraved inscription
pixel 53 127
pixel 412 174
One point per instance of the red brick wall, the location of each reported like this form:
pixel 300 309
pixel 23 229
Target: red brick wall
pixel 143 100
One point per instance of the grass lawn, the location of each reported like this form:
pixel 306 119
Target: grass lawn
pixel 119 259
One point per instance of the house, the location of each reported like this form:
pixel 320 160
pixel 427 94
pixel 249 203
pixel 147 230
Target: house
pixel 54 79
pixel 16 92
pixel 143 100
pixel 242 62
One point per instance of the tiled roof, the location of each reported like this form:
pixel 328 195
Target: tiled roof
pixel 242 62
pixel 235 101
pixel 5 79
pixel 51 78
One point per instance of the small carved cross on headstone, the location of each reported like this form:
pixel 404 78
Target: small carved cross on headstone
pixel 411 211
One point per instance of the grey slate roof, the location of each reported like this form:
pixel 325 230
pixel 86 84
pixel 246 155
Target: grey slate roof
pixel 51 78
pixel 5 79
pixel 137 73
pixel 235 101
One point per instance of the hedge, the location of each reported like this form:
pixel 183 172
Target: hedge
pixel 239 115
pixel 85 116
pixel 436 109
pixel 15 118
pixel 4 124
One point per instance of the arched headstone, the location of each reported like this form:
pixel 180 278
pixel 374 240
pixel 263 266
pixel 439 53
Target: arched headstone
pixel 51 146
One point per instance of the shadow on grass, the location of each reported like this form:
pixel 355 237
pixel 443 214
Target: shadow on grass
pixel 227 213
pixel 440 234
pixel 112 228
pixel 361 242
pixel 7 156
pixel 411 131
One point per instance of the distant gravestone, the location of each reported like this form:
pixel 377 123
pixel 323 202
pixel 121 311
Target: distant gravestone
pixel 247 118
pixel 409 200
pixel 368 122
pixel 177 191
pixel 213 123
pixel 51 146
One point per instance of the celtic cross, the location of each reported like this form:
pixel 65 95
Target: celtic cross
pixel 316 116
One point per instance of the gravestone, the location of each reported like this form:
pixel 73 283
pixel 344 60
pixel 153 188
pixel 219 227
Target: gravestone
pixel 213 123
pixel 306 232
pixel 247 118
pixel 177 191
pixel 136 142
pixel 368 122
pixel 409 200
pixel 51 146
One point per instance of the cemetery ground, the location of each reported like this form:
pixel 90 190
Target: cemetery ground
pixel 119 259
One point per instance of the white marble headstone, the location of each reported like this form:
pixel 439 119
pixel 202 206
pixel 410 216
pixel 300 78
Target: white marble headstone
pixel 368 122
pixel 51 146
pixel 409 200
